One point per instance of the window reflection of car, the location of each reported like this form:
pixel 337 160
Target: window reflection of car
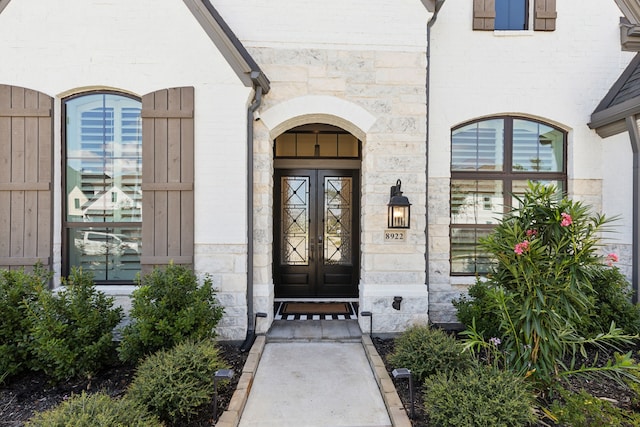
pixel 99 243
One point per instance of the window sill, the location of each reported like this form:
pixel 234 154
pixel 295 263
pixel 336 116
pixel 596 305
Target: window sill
pixel 513 33
pixel 463 280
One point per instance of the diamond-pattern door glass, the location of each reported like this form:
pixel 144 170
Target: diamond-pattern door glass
pixel 295 220
pixel 337 220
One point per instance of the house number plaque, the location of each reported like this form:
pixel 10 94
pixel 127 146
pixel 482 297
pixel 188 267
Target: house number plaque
pixel 395 235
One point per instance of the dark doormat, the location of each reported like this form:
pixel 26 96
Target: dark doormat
pixel 316 310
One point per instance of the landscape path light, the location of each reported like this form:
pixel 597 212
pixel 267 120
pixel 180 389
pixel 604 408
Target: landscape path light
pixel 221 374
pixel 406 373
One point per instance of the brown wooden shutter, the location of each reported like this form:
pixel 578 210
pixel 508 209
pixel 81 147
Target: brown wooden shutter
pixel 167 177
pixel 26 153
pixel 545 15
pixel 484 14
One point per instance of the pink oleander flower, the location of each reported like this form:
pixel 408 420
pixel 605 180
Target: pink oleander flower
pixel 521 247
pixel 566 219
pixel 532 233
pixel 611 258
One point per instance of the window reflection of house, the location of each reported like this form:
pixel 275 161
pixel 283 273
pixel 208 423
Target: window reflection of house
pixel 114 203
pixel 76 200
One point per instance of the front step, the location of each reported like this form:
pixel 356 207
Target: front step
pixel 314 330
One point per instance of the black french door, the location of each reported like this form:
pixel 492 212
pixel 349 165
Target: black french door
pixel 316 233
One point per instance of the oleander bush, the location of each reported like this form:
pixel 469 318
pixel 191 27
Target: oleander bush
pixel 95 410
pixel 72 329
pixel 174 383
pixel 168 306
pixel 479 396
pixel 541 292
pixel 425 350
pixel 17 289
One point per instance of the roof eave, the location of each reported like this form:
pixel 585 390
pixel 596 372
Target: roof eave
pixel 630 9
pixel 3 4
pixel 611 121
pixel 231 48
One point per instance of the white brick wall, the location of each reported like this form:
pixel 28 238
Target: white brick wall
pixel 62 48
pixel 559 77
pixel 360 65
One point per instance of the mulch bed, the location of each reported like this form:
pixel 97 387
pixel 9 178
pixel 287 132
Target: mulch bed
pixel 23 396
pixel 607 389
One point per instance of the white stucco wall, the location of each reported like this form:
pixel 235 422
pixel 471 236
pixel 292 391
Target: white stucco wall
pixel 62 48
pixel 558 77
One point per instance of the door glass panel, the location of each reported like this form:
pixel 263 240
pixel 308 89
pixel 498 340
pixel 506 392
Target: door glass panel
pixel 347 145
pixel 295 223
pixel 337 220
pixel 306 145
pixel 328 144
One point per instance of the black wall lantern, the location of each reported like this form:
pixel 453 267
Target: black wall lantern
pixel 399 214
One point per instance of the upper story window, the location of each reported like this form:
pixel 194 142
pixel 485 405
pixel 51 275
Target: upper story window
pixel 491 160
pixel 511 14
pixel 103 177
pixel 500 15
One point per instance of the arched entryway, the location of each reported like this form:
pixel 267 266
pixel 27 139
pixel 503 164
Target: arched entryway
pixel 316 243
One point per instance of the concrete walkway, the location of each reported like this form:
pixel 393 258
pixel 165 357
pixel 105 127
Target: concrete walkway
pixel 314 374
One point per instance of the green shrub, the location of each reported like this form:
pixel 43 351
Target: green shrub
pixel 477 306
pixel 174 383
pixel 72 329
pixel 612 302
pixel 481 396
pixel 17 290
pixel 583 410
pixel 425 351
pixel 169 306
pixel 96 410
